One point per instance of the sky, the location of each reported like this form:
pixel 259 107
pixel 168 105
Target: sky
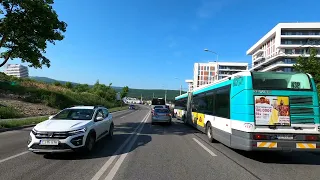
pixel 154 44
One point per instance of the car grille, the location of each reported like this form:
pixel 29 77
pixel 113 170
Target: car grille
pixel 52 135
pixel 59 146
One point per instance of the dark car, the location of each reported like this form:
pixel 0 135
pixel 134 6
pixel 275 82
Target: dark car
pixel 131 106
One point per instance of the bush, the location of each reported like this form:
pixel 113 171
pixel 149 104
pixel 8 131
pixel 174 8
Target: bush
pixel 57 96
pixel 9 112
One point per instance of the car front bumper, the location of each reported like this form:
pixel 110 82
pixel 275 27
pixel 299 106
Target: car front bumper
pixel 64 145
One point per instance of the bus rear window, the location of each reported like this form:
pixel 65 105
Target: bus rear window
pixel 158 102
pixel 280 81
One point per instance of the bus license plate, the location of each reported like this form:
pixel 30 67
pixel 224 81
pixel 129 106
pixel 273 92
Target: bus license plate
pixel 285 137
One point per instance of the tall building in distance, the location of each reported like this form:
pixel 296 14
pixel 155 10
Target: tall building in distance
pixel 279 48
pixel 17 70
pixel 207 73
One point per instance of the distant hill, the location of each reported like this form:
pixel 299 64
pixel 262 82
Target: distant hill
pixel 147 94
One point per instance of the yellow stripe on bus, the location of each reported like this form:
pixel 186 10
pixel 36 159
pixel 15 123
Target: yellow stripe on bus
pixel 306 146
pixel 267 144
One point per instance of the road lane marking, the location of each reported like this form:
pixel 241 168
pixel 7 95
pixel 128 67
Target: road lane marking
pixel 128 114
pixel 116 154
pixel 14 156
pixel 117 165
pixel 204 147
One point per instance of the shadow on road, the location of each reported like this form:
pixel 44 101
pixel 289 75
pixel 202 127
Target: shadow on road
pixel 305 158
pixel 104 148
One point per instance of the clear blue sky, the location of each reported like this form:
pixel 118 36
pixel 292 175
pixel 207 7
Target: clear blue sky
pixel 146 44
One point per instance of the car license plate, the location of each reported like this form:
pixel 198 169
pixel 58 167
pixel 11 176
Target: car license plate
pixel 49 142
pixel 285 137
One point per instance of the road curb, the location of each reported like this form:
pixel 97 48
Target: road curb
pixel 15 128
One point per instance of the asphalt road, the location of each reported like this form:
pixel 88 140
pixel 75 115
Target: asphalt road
pixel 140 150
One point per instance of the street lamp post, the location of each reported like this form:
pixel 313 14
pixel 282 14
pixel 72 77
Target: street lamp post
pixel 180 85
pixel 207 50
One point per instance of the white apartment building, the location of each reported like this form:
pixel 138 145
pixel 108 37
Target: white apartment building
pixel 207 73
pixel 17 70
pixel 279 48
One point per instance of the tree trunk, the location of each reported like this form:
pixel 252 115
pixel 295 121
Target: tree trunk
pixel 6 59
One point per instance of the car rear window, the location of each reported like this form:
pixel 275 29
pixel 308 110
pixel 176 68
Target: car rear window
pixel 162 110
pixel 158 107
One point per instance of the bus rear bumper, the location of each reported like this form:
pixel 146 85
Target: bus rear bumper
pixel 249 144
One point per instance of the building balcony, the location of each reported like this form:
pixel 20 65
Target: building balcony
pixel 257 59
pixel 233 69
pixel 300 36
pixel 276 65
pixel 260 51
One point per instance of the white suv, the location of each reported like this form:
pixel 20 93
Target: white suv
pixel 71 129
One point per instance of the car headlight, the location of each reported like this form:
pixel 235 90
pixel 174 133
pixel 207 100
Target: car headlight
pixel 34 131
pixel 78 131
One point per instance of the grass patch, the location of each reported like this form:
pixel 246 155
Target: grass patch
pixel 118 109
pixel 9 112
pixel 21 122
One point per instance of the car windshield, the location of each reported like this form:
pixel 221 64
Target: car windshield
pixel 75 114
pixel 161 110
pixel 280 81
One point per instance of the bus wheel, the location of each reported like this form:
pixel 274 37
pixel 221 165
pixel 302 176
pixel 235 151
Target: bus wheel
pixel 209 132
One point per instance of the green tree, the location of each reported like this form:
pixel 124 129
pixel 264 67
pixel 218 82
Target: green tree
pixel 57 83
pixel 69 85
pixel 26 26
pixel 309 65
pixel 81 88
pixel 124 92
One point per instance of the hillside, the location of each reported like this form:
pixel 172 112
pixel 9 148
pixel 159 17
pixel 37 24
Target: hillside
pixel 147 94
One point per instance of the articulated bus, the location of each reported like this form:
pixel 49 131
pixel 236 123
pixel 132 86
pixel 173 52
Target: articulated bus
pixel 180 106
pixel 257 111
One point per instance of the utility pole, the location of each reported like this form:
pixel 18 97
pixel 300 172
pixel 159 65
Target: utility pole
pixel 153 95
pixel 165 96
pixel 180 89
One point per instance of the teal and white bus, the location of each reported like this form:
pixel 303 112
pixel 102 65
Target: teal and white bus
pixel 180 106
pixel 257 111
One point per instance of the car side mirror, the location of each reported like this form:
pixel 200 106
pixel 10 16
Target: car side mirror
pixel 99 118
pixel 50 117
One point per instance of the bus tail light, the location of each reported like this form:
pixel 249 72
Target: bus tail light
pixel 312 138
pixel 260 137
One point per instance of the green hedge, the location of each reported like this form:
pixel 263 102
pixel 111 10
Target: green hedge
pixel 9 112
pixel 55 99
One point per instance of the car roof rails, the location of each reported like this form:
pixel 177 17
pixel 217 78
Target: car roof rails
pixel 97 106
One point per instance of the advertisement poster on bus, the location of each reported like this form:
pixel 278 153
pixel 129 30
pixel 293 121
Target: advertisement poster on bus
pixel 272 110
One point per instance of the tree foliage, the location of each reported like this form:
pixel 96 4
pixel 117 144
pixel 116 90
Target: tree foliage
pixel 26 27
pixel 69 85
pixel 124 92
pixel 309 65
pixel 57 83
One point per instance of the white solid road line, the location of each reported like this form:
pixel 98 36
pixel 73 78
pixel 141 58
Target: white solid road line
pixel 204 147
pixel 14 156
pixel 117 165
pixel 115 155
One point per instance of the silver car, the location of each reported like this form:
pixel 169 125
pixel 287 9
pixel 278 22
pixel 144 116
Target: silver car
pixel 162 115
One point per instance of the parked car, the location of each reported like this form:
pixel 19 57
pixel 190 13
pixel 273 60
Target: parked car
pixel 75 128
pixel 161 115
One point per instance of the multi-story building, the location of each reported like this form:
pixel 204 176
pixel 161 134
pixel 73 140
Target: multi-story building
pixel 190 84
pixel 279 48
pixel 17 70
pixel 207 73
